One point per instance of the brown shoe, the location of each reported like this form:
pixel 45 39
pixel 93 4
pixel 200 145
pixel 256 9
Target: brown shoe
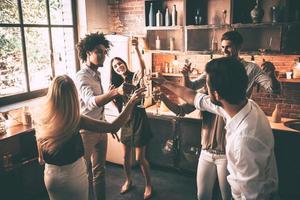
pixel 126 187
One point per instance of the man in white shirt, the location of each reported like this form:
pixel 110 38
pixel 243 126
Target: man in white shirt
pixel 250 142
pixel 92 50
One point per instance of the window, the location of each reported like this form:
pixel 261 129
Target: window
pixel 37 42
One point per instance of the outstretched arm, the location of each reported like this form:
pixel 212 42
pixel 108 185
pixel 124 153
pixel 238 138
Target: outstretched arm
pixel 185 93
pixel 140 56
pixel 269 69
pixel 179 110
pixel 105 127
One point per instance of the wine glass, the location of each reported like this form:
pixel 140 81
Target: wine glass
pixel 156 98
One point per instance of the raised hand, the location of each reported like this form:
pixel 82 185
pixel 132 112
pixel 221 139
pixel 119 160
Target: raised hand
pixel 135 42
pixel 268 68
pixel 186 68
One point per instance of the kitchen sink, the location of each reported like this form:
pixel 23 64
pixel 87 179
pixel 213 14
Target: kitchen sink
pixel 293 124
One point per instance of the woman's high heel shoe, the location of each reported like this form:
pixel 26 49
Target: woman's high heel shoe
pixel 148 196
pixel 126 188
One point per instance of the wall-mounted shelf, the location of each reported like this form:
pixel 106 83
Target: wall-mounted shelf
pixel 284 80
pixel 220 16
pixel 169 28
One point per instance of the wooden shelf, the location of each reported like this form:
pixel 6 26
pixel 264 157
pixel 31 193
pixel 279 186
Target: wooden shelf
pixel 284 80
pixel 164 51
pixel 164 28
pixel 180 75
pixel 210 26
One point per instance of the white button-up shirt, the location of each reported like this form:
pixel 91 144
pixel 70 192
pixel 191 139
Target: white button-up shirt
pixel 249 150
pixel 88 83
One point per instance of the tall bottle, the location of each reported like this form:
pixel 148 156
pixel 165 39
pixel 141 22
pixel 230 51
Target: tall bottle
pixel 159 21
pixel 276 115
pixel 151 16
pixel 174 16
pixel 214 42
pixel 198 18
pixel 167 18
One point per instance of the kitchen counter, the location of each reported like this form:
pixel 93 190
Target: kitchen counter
pixel 280 126
pixel 167 113
pixel 196 115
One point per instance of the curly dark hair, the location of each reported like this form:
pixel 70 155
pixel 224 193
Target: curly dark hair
pixel 89 42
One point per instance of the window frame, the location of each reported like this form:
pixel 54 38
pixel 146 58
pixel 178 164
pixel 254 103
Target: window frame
pixel 19 97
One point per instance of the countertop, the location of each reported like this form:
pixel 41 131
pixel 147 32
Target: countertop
pixel 196 115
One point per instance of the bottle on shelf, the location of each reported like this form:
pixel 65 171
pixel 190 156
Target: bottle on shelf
pixel 214 42
pixel 174 16
pixel 198 18
pixel 171 44
pixel 175 65
pixel 167 18
pixel 159 21
pixel 151 16
pixel 157 43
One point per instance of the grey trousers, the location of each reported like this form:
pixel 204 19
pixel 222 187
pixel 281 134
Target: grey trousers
pixel 95 147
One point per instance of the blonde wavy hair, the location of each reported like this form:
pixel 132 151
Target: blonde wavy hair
pixel 58 117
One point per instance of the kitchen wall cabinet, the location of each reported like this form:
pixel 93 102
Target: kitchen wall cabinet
pixel 219 16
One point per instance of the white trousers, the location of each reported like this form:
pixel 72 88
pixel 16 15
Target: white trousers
pixel 209 167
pixel 68 181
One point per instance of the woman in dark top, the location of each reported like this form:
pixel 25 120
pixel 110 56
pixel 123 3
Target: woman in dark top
pixel 58 122
pixel 136 133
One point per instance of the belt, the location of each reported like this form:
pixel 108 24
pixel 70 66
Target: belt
pixel 213 151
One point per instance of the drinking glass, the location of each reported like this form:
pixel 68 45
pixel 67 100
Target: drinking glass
pixel 145 82
pixel 156 98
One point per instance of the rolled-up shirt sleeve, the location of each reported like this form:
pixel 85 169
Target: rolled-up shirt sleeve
pixel 203 103
pixel 86 91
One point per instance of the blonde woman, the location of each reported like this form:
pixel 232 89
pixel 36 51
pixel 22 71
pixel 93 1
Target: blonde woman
pixel 58 122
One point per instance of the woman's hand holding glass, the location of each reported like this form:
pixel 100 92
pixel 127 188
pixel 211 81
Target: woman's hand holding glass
pixel 157 100
pixel 136 96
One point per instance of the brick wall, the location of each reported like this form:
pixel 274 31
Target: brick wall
pixel 288 100
pixel 127 17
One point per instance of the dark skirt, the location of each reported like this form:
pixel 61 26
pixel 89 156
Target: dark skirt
pixel 137 131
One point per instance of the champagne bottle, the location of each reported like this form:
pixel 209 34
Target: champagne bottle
pixel 174 16
pixel 151 16
pixel 167 18
pixel 159 18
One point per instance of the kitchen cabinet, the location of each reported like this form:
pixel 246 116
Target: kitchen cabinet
pixel 219 16
pixel 175 142
pixel 288 165
pixel 21 176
